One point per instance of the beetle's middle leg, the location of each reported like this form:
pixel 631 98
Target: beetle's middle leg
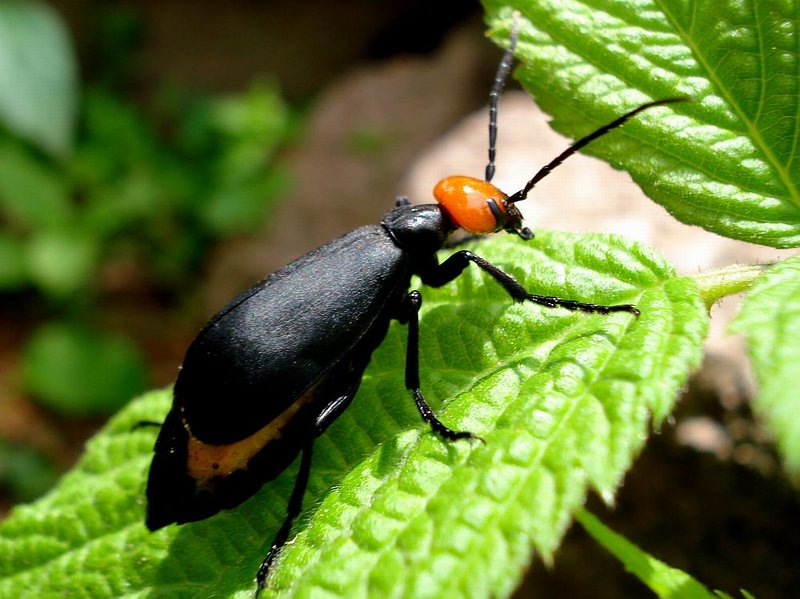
pixel 410 308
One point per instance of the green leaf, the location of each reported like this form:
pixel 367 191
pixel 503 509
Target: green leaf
pixel 662 579
pixel 724 161
pixel 38 83
pixel 770 318
pixel 564 401
pixel 79 371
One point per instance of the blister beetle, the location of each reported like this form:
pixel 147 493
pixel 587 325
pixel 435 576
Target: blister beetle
pixel 273 369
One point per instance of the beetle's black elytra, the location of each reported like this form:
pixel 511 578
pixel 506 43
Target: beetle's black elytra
pixel 273 369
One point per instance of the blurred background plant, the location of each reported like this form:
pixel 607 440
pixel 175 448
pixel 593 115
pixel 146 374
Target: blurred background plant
pixel 99 195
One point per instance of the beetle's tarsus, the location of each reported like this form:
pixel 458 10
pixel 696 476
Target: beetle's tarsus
pixel 557 302
pixel 437 425
pixel 263 570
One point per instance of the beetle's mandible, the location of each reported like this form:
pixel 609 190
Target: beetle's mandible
pixel 273 369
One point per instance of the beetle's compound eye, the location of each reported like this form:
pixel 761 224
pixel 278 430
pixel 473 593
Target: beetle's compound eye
pixel 476 206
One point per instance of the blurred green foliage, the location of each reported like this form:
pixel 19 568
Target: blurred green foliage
pixel 25 474
pixel 76 370
pixel 125 192
pixel 155 189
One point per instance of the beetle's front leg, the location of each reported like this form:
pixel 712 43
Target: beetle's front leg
pixel 410 314
pixel 455 265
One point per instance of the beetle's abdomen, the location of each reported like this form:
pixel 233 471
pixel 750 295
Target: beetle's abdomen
pixel 272 343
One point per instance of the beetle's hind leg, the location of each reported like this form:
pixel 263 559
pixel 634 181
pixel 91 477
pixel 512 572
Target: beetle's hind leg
pixel 292 511
pixel 347 388
pixel 410 308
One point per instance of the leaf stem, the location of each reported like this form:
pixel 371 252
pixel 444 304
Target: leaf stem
pixel 716 284
pixel 661 578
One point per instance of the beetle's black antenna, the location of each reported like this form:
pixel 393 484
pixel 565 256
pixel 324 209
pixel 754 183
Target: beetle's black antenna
pixel 582 142
pixel 497 89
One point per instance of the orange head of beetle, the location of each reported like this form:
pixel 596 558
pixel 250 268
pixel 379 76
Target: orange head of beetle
pixel 478 207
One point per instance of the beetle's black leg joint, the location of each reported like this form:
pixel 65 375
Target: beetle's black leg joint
pixel 441 274
pixel 335 409
pixel 292 511
pixel 411 308
pixel 455 265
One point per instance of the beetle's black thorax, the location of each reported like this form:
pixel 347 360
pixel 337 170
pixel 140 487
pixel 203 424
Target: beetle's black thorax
pixel 418 230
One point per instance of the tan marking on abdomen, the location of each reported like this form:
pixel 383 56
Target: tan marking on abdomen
pixel 206 461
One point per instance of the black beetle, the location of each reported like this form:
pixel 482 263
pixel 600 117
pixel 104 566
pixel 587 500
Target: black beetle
pixel 273 369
